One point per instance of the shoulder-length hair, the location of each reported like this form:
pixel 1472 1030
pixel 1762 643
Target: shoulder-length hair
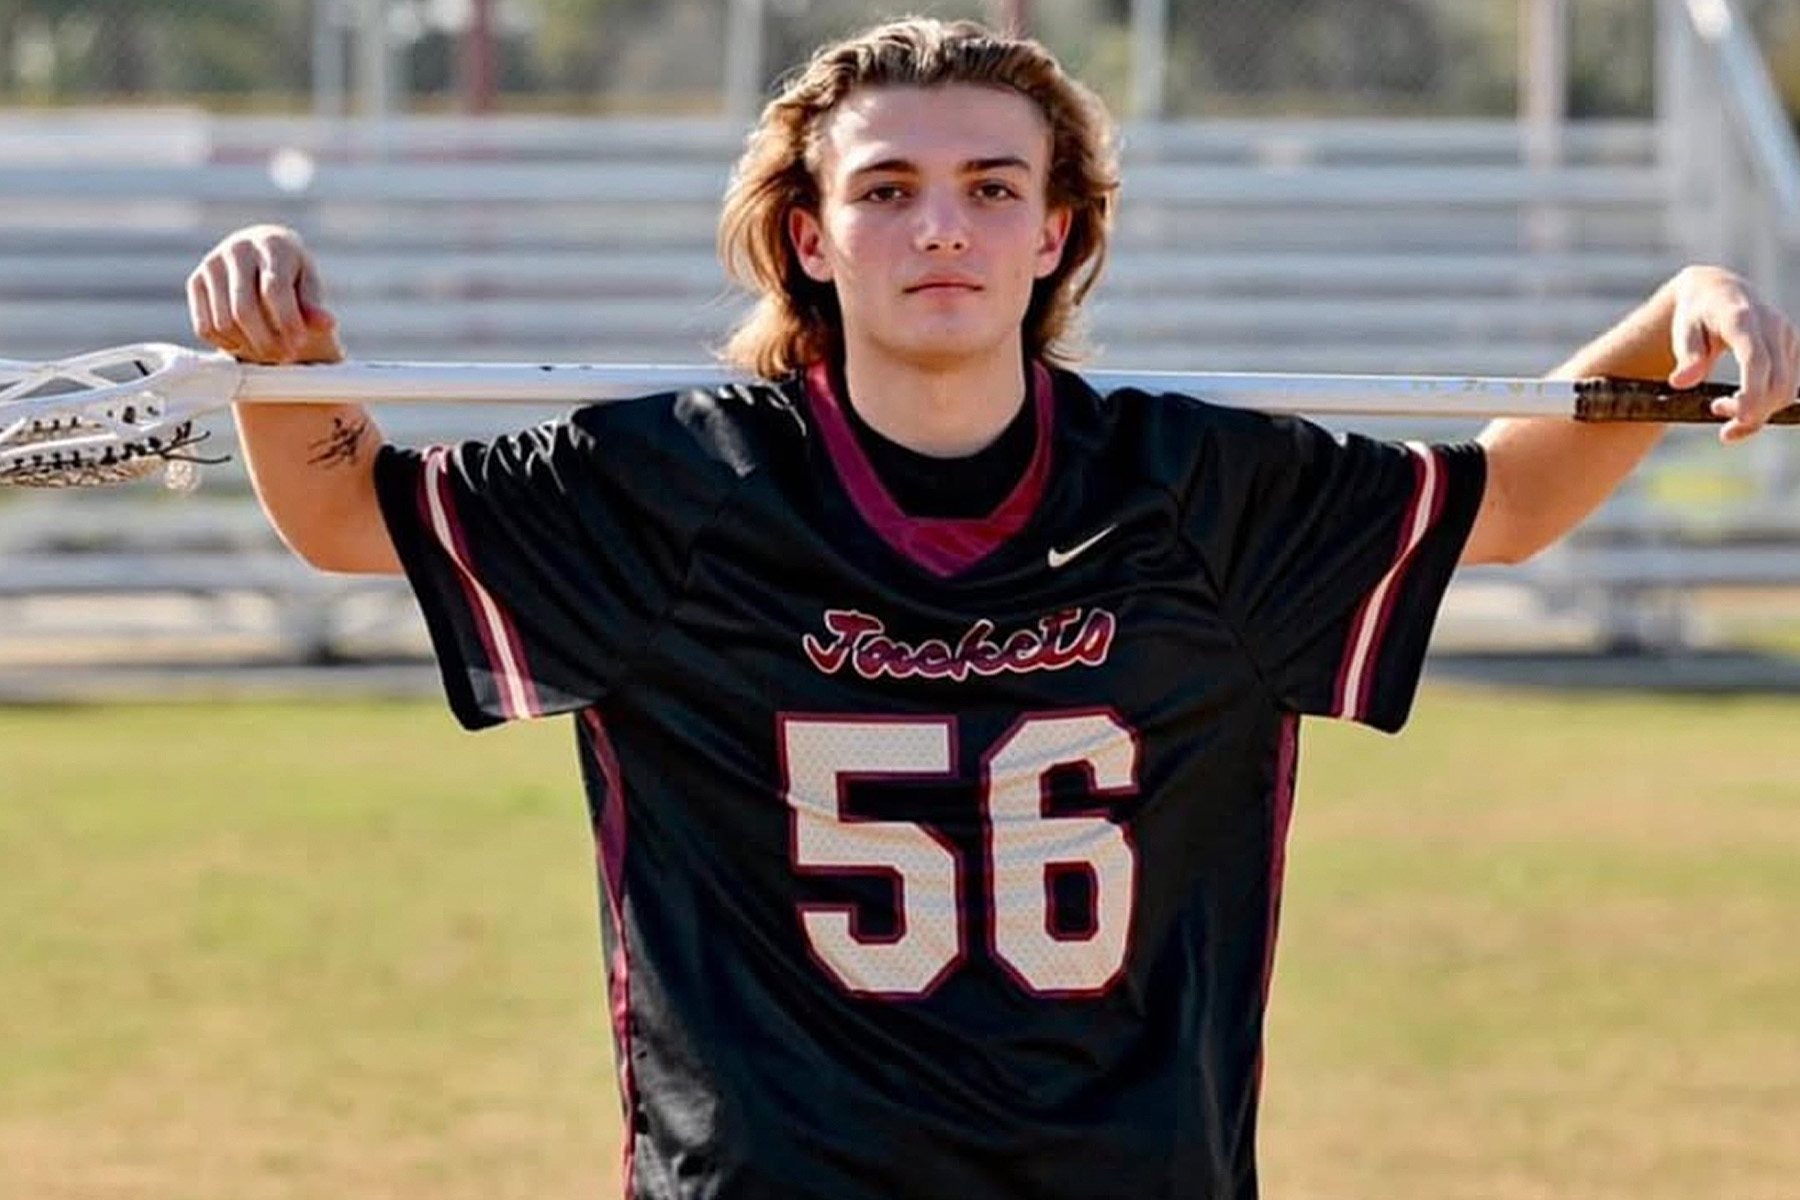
pixel 796 320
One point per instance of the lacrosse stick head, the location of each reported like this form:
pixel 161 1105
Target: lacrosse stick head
pixel 111 416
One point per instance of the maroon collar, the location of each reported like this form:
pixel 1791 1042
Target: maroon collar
pixel 943 546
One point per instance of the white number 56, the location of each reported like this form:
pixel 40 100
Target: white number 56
pixel 1024 850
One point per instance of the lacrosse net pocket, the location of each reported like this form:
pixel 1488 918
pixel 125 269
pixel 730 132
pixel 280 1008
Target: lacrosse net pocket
pixel 94 421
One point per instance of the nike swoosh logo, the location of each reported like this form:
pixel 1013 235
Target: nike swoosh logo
pixel 1062 558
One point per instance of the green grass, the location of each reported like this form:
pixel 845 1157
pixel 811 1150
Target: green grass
pixel 1536 947
pixel 1543 947
pixel 333 951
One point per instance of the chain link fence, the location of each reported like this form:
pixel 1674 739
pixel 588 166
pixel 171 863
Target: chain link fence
pixel 1225 57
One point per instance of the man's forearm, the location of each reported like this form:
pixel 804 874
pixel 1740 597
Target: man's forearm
pixel 313 466
pixel 1548 474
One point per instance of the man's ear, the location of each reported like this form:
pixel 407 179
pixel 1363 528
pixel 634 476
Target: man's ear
pixel 1057 223
pixel 808 239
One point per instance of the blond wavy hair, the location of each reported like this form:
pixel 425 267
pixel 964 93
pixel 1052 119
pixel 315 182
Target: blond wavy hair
pixel 796 320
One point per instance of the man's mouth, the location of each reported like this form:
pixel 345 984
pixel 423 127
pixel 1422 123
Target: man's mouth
pixel 943 285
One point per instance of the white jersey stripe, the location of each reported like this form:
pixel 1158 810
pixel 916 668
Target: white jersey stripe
pixel 516 699
pixel 1370 620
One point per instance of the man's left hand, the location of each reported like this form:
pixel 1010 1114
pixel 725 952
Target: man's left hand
pixel 1717 313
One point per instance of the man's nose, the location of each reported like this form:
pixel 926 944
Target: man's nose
pixel 942 226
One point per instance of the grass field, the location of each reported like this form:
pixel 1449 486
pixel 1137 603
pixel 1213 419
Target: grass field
pixel 1540 946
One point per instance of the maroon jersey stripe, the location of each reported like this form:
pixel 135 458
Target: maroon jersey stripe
pixel 505 650
pixel 1362 651
pixel 610 838
pixel 940 545
pixel 1286 753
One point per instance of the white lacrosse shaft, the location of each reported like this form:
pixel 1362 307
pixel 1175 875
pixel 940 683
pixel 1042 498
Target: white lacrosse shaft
pixel 173 382
pixel 106 416
pixel 129 390
pixel 503 383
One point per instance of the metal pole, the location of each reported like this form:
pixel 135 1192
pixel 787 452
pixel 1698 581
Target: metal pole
pixel 1677 101
pixel 1544 79
pixel 1149 58
pixel 480 85
pixel 373 84
pixel 744 59
pixel 1543 108
pixel 328 60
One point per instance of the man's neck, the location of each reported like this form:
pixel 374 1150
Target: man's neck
pixel 948 413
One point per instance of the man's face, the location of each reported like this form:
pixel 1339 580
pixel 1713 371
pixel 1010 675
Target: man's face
pixel 932 222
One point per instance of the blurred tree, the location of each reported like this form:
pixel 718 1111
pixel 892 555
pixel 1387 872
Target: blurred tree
pixel 580 40
pixel 1264 50
pixel 434 67
pixel 797 27
pixel 1323 56
pixel 122 48
pixel 209 54
pixel 1612 59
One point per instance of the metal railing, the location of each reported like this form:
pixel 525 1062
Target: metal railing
pixel 1730 153
pixel 1732 169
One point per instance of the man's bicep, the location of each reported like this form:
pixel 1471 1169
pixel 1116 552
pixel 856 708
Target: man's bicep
pixel 361 542
pixel 1490 534
pixel 369 550
pixel 313 469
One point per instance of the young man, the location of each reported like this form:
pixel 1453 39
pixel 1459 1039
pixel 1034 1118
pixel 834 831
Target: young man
pixel 937 715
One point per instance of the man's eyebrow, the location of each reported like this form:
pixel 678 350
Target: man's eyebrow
pixel 998 163
pixel 973 166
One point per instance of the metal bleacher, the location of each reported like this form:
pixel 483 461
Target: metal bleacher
pixel 1277 245
pixel 1430 246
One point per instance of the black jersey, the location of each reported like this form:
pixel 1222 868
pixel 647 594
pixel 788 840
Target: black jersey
pixel 940 858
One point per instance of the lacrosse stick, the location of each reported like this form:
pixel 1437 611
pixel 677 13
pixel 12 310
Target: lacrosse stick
pixel 118 414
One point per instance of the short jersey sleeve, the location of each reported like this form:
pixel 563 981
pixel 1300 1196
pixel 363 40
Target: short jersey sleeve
pixel 538 563
pixel 1332 554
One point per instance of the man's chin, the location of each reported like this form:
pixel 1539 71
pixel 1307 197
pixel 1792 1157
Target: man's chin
pixel 945 359
pixel 948 349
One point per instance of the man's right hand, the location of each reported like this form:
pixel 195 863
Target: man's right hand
pixel 257 296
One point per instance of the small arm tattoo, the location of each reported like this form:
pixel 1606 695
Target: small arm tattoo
pixel 342 445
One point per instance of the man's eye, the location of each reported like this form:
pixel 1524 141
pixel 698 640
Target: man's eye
pixel 884 193
pixel 995 190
